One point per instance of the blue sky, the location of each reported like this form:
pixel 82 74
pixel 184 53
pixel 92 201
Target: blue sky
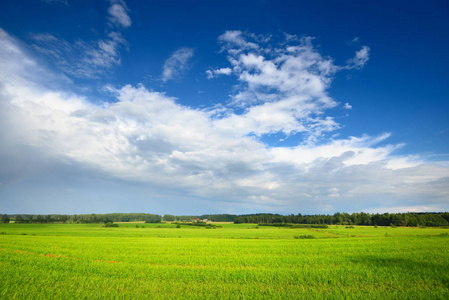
pixel 190 107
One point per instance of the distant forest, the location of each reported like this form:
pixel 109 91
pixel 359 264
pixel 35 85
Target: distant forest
pixel 386 219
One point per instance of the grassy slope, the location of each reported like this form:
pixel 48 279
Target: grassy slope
pixel 237 261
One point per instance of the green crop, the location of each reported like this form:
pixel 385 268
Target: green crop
pixel 236 261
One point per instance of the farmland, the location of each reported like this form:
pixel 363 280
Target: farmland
pixel 236 261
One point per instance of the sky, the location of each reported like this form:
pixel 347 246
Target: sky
pixel 195 107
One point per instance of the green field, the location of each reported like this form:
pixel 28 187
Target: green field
pixel 237 261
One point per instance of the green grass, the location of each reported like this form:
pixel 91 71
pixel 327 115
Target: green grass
pixel 160 261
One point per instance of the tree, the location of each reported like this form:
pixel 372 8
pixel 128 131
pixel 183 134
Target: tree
pixel 5 218
pixel 169 218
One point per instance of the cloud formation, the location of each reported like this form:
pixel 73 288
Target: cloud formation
pixel 360 59
pixel 283 86
pixel 215 73
pixel 88 59
pixel 118 12
pixel 177 64
pixel 146 138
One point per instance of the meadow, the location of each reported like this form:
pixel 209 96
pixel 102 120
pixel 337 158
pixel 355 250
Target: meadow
pixel 236 261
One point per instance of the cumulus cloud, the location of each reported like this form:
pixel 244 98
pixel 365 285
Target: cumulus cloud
pixel 283 86
pixel 147 138
pixel 215 73
pixel 87 59
pixel 177 64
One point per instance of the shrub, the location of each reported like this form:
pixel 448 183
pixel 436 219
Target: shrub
pixel 305 236
pixel 212 226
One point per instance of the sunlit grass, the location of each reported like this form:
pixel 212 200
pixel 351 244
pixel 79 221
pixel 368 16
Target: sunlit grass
pixel 235 261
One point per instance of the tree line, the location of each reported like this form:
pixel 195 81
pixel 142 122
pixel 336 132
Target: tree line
pixel 84 218
pixel 385 219
pixel 361 218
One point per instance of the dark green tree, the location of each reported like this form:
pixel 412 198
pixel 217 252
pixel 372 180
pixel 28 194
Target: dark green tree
pixel 169 218
pixel 5 218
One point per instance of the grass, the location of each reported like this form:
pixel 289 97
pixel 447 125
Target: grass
pixel 237 261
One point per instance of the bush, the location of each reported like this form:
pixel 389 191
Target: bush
pixel 153 221
pixel 212 226
pixel 306 236
pixel 110 224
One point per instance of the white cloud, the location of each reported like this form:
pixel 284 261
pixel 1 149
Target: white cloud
pixel 106 54
pixel 283 87
pixel 118 12
pixel 236 40
pixel 347 106
pixel 360 59
pixel 355 40
pixel 215 73
pixel 84 59
pixel 148 139
pixel 177 64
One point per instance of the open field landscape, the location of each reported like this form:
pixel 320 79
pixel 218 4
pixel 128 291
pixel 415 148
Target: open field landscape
pixel 224 149
pixel 236 261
